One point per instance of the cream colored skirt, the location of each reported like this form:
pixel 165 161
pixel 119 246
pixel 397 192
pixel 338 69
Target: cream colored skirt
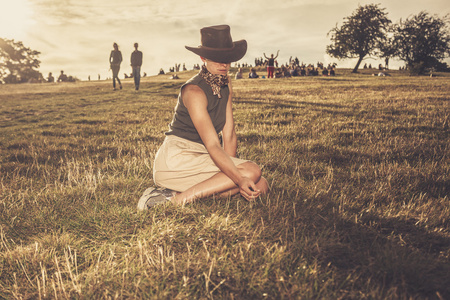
pixel 181 164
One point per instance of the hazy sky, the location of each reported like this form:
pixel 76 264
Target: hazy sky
pixel 77 36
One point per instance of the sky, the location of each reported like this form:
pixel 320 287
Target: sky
pixel 77 36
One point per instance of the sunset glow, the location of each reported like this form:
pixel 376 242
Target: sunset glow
pixel 77 36
pixel 15 18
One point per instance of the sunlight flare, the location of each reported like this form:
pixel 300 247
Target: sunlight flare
pixel 15 18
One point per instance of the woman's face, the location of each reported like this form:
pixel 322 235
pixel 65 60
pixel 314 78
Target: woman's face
pixel 216 68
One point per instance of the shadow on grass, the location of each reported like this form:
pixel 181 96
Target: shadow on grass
pixel 284 103
pixel 394 257
pixel 393 254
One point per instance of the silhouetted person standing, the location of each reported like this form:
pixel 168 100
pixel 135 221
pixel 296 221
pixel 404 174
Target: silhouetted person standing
pixel 136 63
pixel 115 59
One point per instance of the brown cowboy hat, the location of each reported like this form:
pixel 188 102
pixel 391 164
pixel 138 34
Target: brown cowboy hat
pixel 218 46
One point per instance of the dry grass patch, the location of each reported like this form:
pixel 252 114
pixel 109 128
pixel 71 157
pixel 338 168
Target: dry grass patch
pixel 359 207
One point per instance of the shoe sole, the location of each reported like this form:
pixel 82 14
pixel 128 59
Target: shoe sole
pixel 144 198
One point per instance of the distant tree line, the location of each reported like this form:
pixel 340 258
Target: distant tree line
pixel 421 41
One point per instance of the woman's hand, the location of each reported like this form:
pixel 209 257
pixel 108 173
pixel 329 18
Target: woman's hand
pixel 248 189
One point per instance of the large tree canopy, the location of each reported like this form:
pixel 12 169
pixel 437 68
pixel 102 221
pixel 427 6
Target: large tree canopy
pixel 18 63
pixel 362 34
pixel 422 41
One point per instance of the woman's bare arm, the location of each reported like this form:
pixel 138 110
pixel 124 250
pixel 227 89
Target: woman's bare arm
pixel 228 131
pixel 277 54
pixel 196 102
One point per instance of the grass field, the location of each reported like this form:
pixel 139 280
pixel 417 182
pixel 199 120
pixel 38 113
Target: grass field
pixel 359 205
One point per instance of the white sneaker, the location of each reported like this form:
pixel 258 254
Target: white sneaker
pixel 153 196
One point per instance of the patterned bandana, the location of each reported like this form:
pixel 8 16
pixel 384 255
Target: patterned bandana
pixel 214 81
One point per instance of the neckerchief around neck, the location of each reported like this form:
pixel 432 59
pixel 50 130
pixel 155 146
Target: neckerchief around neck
pixel 214 81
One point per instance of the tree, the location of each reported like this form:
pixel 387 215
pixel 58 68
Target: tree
pixel 18 63
pixel 422 41
pixel 387 48
pixel 362 34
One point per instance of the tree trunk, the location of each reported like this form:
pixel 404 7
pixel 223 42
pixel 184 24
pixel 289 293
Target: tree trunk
pixel 355 69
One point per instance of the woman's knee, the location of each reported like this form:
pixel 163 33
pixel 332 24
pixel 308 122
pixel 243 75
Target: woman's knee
pixel 251 170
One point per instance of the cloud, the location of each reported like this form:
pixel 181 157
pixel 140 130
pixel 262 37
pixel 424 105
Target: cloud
pixel 78 35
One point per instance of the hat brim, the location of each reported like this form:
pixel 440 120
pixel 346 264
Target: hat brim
pixel 222 55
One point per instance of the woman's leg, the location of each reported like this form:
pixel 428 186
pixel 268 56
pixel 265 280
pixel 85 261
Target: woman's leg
pixel 137 77
pixel 115 71
pixel 221 184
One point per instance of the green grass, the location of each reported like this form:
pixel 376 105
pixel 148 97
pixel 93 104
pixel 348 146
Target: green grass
pixel 358 209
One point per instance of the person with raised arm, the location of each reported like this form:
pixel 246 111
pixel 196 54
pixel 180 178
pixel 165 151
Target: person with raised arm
pixel 271 64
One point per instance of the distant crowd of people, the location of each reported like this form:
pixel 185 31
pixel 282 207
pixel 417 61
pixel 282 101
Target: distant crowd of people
pixel 61 78
pixel 292 69
pixel 380 66
pixel 176 69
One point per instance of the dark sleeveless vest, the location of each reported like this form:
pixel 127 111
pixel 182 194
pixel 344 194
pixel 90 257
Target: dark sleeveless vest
pixel 182 125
